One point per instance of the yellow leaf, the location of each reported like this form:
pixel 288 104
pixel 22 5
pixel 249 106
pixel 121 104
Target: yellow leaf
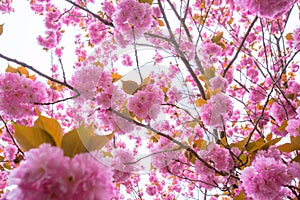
pixel 23 70
pixel 190 156
pixel 283 126
pixel 11 69
pixel 217 38
pixel 293 146
pixel 241 196
pixel 229 22
pixel 289 36
pixel 200 144
pixel 72 144
pixel 147 80
pixel 199 102
pixel 297 158
pixel 83 140
pixel 146 1
pixel 217 91
pixel 31 137
pixel 129 86
pixel 52 127
pixel 1 29
pixel 209 73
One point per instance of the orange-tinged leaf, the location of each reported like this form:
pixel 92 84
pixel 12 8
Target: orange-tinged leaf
pixel 200 144
pixel 11 69
pixel 1 29
pixel 23 70
pixel 146 1
pixel 217 38
pixel 209 73
pixel 31 137
pixel 52 127
pixel 116 77
pixel 293 146
pixel 297 158
pixel 160 22
pixel 190 156
pixel 129 86
pixel 289 36
pixel 283 126
pixel 241 196
pixel 199 102
pixel 72 144
pixel 81 140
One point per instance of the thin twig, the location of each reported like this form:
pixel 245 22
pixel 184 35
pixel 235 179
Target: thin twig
pixel 241 46
pixel 11 136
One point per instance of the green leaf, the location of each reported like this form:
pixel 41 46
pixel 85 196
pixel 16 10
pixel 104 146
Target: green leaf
pixel 31 137
pixel 52 127
pixel 83 140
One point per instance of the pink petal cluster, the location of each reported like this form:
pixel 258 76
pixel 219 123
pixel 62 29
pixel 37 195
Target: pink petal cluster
pixel 48 174
pixel 146 102
pixel 220 157
pixel 209 52
pixel 257 94
pixel 18 95
pixel 51 39
pixel 97 32
pixel 266 8
pixel 132 14
pixel 164 154
pixel 85 80
pixel 217 157
pixel 265 178
pixel 218 82
pixel 5 6
pixel 217 110
pixel 123 164
pixel 296 39
pixel 105 89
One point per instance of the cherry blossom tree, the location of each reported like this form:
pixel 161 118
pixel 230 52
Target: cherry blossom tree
pixel 190 99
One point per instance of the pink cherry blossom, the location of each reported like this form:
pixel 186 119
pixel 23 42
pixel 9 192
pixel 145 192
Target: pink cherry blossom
pixel 18 95
pixel 48 174
pixel 265 178
pixel 270 8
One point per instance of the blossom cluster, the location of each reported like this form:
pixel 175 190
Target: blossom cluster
pixel 48 174
pixel 269 8
pixel 145 103
pixel 18 95
pixel 219 158
pixel 217 110
pixel 85 80
pixel 267 176
pixel 132 14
